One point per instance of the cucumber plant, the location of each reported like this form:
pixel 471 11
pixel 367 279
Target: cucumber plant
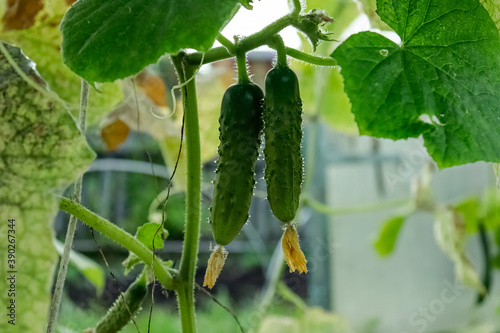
pixel 442 81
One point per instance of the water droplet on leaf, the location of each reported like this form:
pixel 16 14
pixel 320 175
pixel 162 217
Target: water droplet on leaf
pixel 384 52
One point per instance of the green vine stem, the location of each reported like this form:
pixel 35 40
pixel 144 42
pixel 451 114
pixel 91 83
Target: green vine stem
pixel 260 38
pixel 322 208
pixel 297 7
pixel 185 292
pixel 312 59
pixel 241 60
pixel 246 44
pixel 70 232
pixel 120 236
pixel 221 53
pixel 280 48
pixel 226 43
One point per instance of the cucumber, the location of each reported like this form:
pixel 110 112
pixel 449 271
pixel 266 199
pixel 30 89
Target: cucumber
pixel 283 134
pixel 126 306
pixel 240 130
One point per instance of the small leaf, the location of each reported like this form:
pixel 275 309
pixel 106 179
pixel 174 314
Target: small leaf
pixel 388 235
pixel 130 262
pixel 247 4
pixel 442 81
pixel 114 134
pixel 450 233
pixel 469 210
pixel 105 40
pixel 490 209
pixel 145 234
pixel 88 267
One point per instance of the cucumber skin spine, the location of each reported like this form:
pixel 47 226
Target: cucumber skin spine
pixel 283 134
pixel 119 314
pixel 240 130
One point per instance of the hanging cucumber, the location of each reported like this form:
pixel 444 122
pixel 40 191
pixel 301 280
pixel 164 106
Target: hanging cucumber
pixel 240 129
pixel 283 134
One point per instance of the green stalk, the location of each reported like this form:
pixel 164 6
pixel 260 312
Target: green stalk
pixel 241 60
pixel 121 237
pixel 309 58
pixel 246 44
pixel 226 43
pixel 279 46
pixel 325 209
pixel 185 292
pixel 297 7
pixel 220 53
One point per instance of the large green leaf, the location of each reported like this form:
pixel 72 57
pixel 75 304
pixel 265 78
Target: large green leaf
pixel 105 40
pixel 443 81
pixel 41 153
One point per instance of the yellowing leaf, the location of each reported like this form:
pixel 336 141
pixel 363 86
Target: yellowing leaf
pixel 41 153
pixel 451 235
pixel 154 87
pixel 42 43
pixel 20 14
pixel 114 134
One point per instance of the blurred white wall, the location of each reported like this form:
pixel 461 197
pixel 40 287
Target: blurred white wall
pixel 414 289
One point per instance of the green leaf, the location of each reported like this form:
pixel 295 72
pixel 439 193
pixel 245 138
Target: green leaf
pixel 41 153
pixel 388 235
pixel 490 209
pixel 469 210
pixel 443 81
pixel 105 40
pixel 145 234
pixel 88 267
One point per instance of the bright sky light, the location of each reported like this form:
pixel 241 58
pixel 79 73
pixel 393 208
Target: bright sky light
pixel 264 12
